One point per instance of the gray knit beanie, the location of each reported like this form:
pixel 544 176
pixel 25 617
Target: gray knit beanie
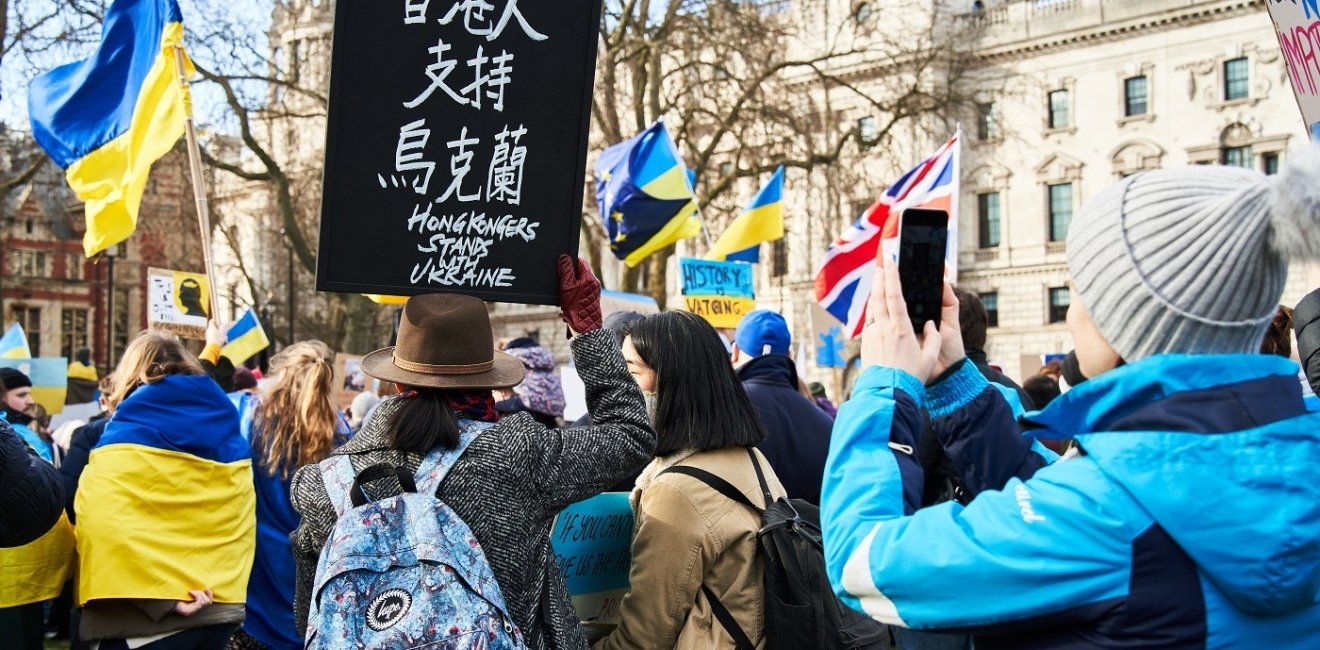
pixel 1193 260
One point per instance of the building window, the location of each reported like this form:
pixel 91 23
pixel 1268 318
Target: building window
pixel 987 210
pixel 1269 163
pixel 987 123
pixel 30 319
pixel 1060 299
pixel 1135 98
pixel 73 267
pixel 991 302
pixel 1061 210
pixel 73 332
pixel 30 263
pixel 1060 109
pixel 867 131
pixel 1237 78
pixel 1237 157
pixel 779 258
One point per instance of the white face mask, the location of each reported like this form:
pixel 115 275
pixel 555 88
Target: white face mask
pixel 652 399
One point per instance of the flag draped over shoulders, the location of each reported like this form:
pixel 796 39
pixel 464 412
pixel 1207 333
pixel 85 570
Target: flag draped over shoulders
pixel 107 118
pixel 167 503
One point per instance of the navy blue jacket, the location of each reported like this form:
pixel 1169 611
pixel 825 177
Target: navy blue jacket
pixel 1192 519
pixel 797 431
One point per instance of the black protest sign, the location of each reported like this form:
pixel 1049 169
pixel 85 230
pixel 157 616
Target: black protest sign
pixel 456 146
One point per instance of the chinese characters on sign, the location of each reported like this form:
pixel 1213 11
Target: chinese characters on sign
pixel 444 117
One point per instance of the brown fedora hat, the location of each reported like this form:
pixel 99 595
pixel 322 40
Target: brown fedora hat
pixel 445 342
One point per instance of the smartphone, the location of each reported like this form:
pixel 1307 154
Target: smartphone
pixel 922 240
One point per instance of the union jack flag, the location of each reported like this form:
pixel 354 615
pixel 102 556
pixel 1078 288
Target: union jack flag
pixel 844 281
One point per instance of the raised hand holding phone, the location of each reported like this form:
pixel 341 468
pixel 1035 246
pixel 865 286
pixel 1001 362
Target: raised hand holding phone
pixel 887 336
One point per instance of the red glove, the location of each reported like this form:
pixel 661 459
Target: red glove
pixel 579 295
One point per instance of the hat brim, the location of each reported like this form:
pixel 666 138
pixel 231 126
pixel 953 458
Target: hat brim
pixel 507 373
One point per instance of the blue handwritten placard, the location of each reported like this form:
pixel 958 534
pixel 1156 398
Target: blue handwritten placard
pixel 592 541
pixel 720 292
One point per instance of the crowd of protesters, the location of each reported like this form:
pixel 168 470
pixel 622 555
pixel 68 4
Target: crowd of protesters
pixel 1150 489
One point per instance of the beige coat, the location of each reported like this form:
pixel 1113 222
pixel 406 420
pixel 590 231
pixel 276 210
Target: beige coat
pixel 689 535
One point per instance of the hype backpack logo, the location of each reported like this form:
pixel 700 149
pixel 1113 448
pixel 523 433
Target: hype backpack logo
pixel 405 571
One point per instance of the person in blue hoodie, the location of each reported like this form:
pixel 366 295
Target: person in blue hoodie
pixel 16 393
pixel 1188 518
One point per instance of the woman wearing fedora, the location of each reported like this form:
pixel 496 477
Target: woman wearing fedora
pixel 518 474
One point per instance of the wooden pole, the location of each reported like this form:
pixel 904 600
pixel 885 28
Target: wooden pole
pixel 198 182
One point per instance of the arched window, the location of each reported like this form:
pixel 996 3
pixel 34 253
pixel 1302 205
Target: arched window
pixel 1235 146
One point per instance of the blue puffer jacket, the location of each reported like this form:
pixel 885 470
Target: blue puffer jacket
pixel 1191 521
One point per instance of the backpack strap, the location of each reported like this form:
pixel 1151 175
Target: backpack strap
pixel 338 475
pixel 727 620
pixel 436 465
pixel 760 477
pixel 718 484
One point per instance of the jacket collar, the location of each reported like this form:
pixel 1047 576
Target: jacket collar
pixel 770 369
pixel 1171 391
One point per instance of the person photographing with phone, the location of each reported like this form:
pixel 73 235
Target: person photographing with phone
pixel 1153 536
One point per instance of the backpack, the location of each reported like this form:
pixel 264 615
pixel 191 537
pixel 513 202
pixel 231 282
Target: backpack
pixel 405 571
pixel 801 610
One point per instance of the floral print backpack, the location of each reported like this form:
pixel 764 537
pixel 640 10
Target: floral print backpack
pixel 405 571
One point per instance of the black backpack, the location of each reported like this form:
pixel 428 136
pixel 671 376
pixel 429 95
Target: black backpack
pixel 801 610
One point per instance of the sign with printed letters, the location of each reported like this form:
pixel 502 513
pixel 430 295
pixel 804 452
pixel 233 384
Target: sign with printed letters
pixel 1297 23
pixel 720 292
pixel 456 146
pixel 178 302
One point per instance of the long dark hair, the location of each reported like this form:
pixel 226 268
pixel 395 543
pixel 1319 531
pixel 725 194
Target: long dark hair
pixel 700 404
pixel 421 421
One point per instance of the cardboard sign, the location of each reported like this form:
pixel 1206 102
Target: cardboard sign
pixel 349 378
pixel 49 376
pixel 592 541
pixel 1297 23
pixel 178 302
pixel 720 292
pixel 456 146
pixel 828 339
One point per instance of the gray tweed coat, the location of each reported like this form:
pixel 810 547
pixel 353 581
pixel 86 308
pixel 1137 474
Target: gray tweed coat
pixel 508 487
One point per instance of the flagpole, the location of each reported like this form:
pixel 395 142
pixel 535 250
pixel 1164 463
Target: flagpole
pixel 198 182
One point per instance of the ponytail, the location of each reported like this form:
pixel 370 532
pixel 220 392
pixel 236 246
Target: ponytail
pixel 296 422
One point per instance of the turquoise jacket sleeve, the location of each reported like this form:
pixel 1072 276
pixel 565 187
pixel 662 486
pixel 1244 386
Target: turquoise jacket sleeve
pixel 1053 543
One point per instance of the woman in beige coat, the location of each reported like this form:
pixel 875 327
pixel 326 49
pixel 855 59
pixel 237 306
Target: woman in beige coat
pixel 695 549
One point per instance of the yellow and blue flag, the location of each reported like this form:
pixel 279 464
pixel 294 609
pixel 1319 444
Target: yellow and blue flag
pixel 106 119
pixel 246 338
pixel 645 195
pixel 49 377
pixel 14 344
pixel 167 502
pixel 761 221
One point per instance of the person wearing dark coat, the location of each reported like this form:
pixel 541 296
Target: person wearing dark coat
pixel 31 495
pixel 797 431
pixel 515 477
pixel 81 445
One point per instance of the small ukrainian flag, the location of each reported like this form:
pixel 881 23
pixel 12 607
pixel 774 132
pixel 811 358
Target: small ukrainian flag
pixel 106 119
pixel 14 344
pixel 246 338
pixel 761 221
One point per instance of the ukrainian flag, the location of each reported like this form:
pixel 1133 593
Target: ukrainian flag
pixel 106 119
pixel 14 344
pixel 167 502
pixel 645 195
pixel 246 338
pixel 761 221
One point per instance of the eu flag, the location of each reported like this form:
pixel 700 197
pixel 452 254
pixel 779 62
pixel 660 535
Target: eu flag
pixel 107 118
pixel 645 196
